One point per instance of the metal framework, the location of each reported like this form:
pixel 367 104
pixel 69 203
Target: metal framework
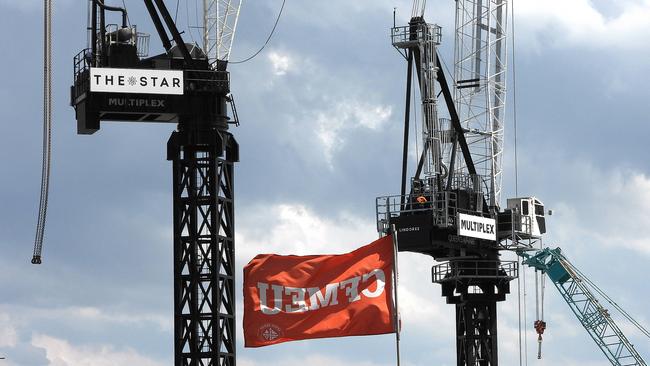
pixel 424 38
pixel 475 286
pixel 573 286
pixel 476 333
pixel 515 232
pixel 219 26
pixel 204 251
pixel 480 75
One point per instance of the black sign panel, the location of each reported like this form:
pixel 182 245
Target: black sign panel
pixel 135 103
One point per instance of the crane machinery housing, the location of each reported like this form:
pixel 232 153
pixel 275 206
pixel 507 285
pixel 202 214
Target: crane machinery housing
pixel 188 85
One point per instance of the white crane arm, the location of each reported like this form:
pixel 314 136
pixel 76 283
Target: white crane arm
pixel 220 23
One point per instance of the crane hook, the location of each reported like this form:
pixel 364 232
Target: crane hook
pixel 540 326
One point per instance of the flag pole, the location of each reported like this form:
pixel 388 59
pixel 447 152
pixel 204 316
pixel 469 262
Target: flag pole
pixel 395 278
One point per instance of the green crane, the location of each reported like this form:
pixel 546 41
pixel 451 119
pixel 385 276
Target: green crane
pixel 576 289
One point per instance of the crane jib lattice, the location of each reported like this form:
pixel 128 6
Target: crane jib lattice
pixel 573 286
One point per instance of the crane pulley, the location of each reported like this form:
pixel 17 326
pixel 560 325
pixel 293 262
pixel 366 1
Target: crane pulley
pixel 540 327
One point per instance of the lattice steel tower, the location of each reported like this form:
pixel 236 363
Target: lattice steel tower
pixel 480 74
pixel 219 25
pixel 116 80
pixel 451 209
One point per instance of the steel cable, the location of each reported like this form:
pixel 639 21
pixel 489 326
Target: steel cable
pixel 519 317
pixel 525 321
pixel 47 130
pixel 514 97
pixel 602 293
pixel 268 39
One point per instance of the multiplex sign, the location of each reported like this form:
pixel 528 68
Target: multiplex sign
pixel 477 227
pixel 141 81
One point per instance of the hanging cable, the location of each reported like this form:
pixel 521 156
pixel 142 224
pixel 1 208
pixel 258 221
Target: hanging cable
pixel 451 75
pixel 128 20
pixel 519 317
pixel 540 324
pixel 525 319
pixel 196 16
pixel 586 279
pixel 536 294
pixel 187 21
pixel 514 96
pixel 268 39
pixel 47 130
pixel 415 124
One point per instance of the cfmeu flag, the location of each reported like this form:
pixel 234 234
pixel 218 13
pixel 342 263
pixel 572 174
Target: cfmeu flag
pixel 288 298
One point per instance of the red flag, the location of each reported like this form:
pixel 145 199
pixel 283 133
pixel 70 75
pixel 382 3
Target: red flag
pixel 288 298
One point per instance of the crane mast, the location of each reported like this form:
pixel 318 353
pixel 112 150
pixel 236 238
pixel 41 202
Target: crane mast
pixel 480 57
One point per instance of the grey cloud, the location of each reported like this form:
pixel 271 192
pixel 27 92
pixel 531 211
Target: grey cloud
pixel 108 241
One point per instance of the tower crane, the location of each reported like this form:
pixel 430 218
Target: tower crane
pixel 576 290
pixel 451 208
pixel 116 80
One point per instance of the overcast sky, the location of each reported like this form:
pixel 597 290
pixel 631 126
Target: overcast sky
pixel 321 111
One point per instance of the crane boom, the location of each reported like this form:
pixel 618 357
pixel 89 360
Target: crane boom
pixel 573 286
pixel 219 25
pixel 480 85
pixel 418 8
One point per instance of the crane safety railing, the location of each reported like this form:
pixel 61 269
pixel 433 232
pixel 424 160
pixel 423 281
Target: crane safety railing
pixel 442 206
pixel 140 41
pixel 195 80
pixel 85 58
pixel 458 270
pixel 411 35
pixel 207 80
pixel 469 182
pixel 82 62
pixel 519 236
pixel 574 288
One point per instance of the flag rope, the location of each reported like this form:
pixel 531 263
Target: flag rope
pixel 395 280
